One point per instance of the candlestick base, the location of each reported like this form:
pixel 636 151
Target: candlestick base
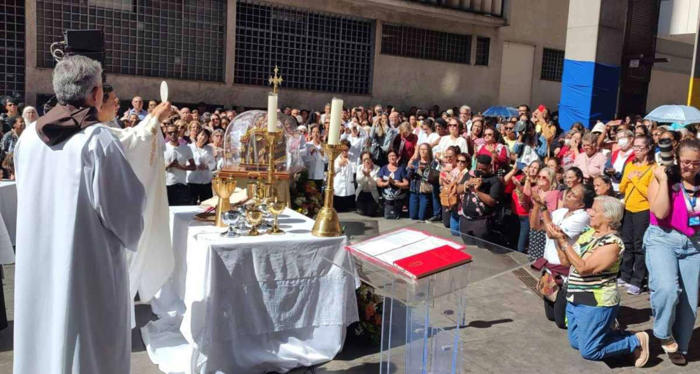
pixel 327 223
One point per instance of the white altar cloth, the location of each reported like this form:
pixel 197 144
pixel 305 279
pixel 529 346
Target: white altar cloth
pixel 251 304
pixel 8 221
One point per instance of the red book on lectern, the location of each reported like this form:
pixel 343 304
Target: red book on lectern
pixel 433 261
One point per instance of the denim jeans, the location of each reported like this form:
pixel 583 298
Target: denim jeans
pixel 437 208
pixel 454 223
pixel 524 233
pixel 590 332
pixel 418 205
pixel 673 261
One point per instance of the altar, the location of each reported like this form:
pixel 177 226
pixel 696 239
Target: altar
pixel 251 304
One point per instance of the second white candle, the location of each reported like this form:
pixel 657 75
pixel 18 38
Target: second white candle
pixel 334 128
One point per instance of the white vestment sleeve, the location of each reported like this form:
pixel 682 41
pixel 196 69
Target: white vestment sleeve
pixel 116 193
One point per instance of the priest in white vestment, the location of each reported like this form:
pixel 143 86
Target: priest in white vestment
pixel 79 206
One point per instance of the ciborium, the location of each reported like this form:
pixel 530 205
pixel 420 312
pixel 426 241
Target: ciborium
pixel 327 222
pixel 224 188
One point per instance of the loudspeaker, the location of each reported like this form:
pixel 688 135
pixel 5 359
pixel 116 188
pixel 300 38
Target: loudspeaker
pixel 88 43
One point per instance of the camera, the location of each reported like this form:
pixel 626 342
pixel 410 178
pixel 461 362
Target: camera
pixel 666 151
pixel 478 173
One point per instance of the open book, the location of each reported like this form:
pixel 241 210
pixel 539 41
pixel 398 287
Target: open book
pixel 410 252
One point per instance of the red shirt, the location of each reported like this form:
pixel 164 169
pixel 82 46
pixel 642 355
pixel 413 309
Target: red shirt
pixel 501 155
pixel 409 147
pixel 521 208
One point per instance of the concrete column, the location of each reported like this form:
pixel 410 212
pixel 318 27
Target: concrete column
pixel 594 39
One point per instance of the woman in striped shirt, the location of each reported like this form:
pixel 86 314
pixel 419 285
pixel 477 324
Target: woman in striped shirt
pixel 592 297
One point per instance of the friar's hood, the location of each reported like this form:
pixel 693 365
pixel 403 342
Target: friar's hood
pixel 63 121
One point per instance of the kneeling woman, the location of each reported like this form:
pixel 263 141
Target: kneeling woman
pixel 593 299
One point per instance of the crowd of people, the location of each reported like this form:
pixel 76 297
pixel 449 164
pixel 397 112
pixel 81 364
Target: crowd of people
pixel 599 209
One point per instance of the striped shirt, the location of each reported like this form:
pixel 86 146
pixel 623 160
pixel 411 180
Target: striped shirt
pixel 595 289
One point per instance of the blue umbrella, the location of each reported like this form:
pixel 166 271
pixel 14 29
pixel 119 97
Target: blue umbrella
pixel 501 111
pixel 681 114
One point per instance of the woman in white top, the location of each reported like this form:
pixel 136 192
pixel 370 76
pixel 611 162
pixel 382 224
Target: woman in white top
pixel 314 159
pixel 357 140
pixel 427 135
pixel 343 183
pixel 367 194
pixel 454 138
pixel 199 179
pixel 217 144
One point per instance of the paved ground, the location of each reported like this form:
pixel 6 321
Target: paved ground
pixel 506 331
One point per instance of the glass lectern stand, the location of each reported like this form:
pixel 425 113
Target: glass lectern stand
pixel 423 319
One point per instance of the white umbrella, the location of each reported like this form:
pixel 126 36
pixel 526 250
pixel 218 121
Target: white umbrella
pixel 682 114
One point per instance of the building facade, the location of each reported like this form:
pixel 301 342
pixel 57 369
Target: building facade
pixel 422 52
pixel 399 52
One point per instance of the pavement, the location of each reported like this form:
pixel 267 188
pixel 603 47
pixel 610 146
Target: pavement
pixel 505 329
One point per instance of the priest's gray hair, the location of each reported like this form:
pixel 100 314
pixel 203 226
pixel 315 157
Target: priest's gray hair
pixel 74 78
pixel 613 210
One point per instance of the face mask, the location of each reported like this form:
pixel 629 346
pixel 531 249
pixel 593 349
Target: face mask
pixel 567 141
pixel 622 142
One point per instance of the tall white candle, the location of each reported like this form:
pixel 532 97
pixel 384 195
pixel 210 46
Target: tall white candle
pixel 272 112
pixel 334 128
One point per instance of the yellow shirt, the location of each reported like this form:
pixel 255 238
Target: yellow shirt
pixel 635 188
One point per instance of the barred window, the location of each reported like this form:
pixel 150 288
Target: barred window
pixel 407 41
pixel 182 39
pixel 552 64
pixel 314 51
pixel 482 51
pixel 12 64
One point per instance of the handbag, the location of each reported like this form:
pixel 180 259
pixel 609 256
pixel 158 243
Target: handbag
pixel 448 195
pixel 547 286
pixel 433 176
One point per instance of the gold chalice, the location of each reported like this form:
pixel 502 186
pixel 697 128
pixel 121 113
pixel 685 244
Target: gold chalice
pixel 223 187
pixel 276 208
pixel 254 217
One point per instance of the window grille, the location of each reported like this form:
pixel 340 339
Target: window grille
pixel 12 66
pixel 182 39
pixel 482 51
pixel 552 64
pixel 408 41
pixel 314 51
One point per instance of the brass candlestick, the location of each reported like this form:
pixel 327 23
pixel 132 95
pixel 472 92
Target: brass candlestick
pixel 327 221
pixel 223 187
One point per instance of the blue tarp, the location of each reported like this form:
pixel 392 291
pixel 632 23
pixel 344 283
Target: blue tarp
pixel 588 93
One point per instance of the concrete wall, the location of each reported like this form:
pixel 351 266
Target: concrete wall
pixel 541 23
pixel 669 80
pixel 397 80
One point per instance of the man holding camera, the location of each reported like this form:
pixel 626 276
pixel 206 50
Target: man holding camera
pixel 481 189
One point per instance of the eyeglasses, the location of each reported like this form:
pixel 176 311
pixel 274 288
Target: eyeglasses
pixel 509 128
pixel 690 163
pixel 488 134
pixel 639 146
pixel 462 161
